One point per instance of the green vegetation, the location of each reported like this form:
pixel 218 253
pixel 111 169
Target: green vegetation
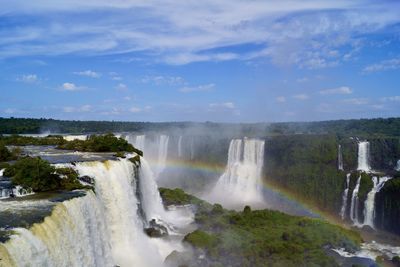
pixel 261 237
pixel 306 166
pixel 38 175
pixel 366 185
pixel 18 140
pixel 6 154
pixel 100 143
pixel 362 128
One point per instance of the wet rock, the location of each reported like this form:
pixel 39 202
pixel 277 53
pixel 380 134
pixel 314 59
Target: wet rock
pixel 156 229
pixel 87 179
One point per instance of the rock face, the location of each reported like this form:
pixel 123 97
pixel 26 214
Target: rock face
pixel 87 179
pixel 156 229
pixel 388 206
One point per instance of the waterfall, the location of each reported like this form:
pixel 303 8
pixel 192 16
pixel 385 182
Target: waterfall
pixel 369 209
pixel 363 156
pixel 75 137
pixel 344 197
pixel 17 191
pixel 398 165
pixel 102 229
pixel 162 154
pixel 354 203
pixel 140 142
pixel 180 146
pixel 340 158
pixel 241 180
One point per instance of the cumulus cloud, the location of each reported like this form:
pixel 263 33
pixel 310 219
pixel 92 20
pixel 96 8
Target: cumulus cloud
pixel 391 99
pixel 225 105
pixel 356 101
pixel 121 87
pixel 88 73
pixel 199 88
pixel 71 87
pixel 390 64
pixel 28 78
pixel 280 99
pixel 343 90
pixel 84 108
pixel 301 96
pixel 163 80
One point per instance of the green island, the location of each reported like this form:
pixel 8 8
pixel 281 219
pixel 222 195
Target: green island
pixel 259 237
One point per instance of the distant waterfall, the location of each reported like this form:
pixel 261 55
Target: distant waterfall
pixel 340 158
pixel 162 154
pixel 102 229
pixel 241 180
pixel 363 156
pixel 180 146
pixel 17 191
pixel 398 165
pixel 369 209
pixel 354 203
pixel 345 197
pixel 140 142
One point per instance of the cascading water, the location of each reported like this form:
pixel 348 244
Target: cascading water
pixel 363 156
pixel 354 203
pixel 102 229
pixel 340 158
pixel 369 209
pixel 17 191
pixel 398 165
pixel 162 154
pixel 140 142
pixel 344 197
pixel 180 146
pixel 74 235
pixel 242 177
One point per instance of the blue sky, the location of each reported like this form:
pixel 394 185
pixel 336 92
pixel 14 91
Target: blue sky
pixel 225 61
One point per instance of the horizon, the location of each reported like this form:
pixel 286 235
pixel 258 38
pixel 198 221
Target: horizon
pixel 225 62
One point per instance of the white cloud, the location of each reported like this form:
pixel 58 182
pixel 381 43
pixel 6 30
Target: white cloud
pixel 127 98
pixel 121 87
pixel 88 73
pixel 301 96
pixel 310 34
pixel 161 80
pixel 199 88
pixel 71 87
pixel 10 110
pixel 280 99
pixel 343 90
pixel 226 105
pixel 390 64
pixel 28 78
pixel 356 101
pixel 84 108
pixel 115 76
pixel 391 99
pixel 135 110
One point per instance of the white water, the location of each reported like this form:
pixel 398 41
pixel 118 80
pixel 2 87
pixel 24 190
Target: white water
pixel 2 172
pixel 180 146
pixel 354 203
pixel 75 137
pixel 18 191
pixel 74 235
pixel 140 141
pixel 345 197
pixel 241 182
pixel 398 165
pixel 369 209
pixel 102 229
pixel 340 158
pixel 162 154
pixel 371 251
pixel 363 156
